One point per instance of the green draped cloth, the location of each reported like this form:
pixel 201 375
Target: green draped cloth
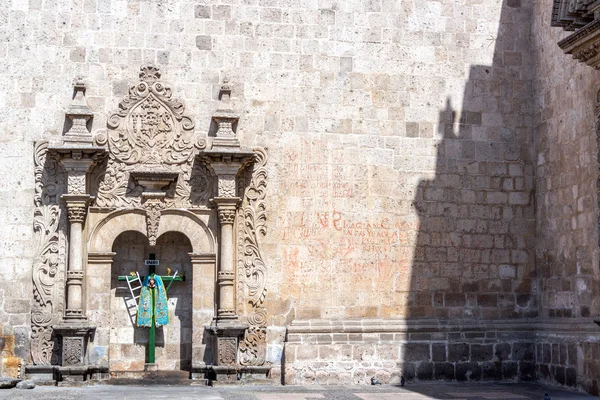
pixel 147 310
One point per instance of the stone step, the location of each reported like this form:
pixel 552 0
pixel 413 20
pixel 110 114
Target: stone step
pixel 149 378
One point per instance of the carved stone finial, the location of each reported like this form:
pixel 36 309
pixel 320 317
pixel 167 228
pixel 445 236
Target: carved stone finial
pixel 225 89
pixel 149 73
pixel 79 113
pixel 225 118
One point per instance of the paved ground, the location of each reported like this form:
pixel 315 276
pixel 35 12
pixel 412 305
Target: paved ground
pixel 417 391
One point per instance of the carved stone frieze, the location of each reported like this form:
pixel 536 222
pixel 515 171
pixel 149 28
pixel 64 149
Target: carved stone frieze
pixel 49 260
pixel 252 272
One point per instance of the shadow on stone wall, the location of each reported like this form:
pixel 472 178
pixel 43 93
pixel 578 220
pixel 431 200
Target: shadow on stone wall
pixel 473 273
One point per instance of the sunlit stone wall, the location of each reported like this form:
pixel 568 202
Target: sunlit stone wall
pixel 399 136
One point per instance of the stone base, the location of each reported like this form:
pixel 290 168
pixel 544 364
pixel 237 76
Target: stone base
pixel 42 375
pixel 150 367
pixel 235 375
pixel 149 377
pixel 53 375
pixel 8 383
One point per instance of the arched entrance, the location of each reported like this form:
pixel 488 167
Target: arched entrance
pixel 128 342
pixel 116 249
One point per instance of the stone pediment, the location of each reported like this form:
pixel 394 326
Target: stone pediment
pixel 150 132
pixel 150 126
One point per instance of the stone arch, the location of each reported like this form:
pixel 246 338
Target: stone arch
pixel 191 226
pixel 117 222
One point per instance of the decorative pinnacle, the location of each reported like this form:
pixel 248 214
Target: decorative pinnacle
pixel 225 88
pixel 79 105
pixel 149 73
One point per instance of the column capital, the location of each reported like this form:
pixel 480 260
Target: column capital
pixel 226 216
pixel 76 206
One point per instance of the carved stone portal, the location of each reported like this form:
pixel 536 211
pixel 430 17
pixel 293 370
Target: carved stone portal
pixel 148 160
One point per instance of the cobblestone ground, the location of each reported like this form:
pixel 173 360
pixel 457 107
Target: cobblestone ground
pixel 421 391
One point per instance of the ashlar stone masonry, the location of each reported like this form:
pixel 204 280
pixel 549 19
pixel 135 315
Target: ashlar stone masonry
pixel 351 189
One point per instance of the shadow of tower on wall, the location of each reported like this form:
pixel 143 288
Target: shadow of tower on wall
pixel 473 274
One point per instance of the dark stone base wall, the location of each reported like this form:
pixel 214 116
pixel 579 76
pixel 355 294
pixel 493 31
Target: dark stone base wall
pixel 569 358
pixel 351 352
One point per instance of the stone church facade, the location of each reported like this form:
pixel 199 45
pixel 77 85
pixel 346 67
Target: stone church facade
pixel 345 189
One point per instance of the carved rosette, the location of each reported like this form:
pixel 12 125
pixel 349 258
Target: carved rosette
pixel 252 272
pixel 76 182
pixel 227 186
pixel 49 260
pixel 150 129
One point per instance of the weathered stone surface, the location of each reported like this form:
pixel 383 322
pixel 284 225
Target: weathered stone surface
pixel 7 383
pixel 27 384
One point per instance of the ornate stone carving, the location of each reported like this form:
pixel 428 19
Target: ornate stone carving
pixel 227 186
pixel 79 113
pixel 76 213
pixel 72 351
pixel 226 216
pixel 48 265
pixel 195 186
pixel 76 182
pixel 252 272
pixel 149 131
pixel 572 14
pixel 150 127
pixel 254 346
pixel 225 117
pixel 153 209
pixel 227 351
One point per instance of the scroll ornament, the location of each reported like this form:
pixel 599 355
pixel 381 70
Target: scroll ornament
pixel 251 267
pixel 48 264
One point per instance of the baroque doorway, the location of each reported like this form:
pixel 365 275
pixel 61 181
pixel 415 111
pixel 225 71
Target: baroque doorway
pixel 149 184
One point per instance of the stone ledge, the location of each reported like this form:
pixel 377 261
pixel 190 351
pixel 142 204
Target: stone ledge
pixel 585 326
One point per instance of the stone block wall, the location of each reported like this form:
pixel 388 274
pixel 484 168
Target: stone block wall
pixel 318 352
pixel 402 167
pixel 567 251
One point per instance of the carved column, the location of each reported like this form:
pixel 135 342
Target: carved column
pixel 226 276
pixel 76 155
pixel 227 158
pixel 76 211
